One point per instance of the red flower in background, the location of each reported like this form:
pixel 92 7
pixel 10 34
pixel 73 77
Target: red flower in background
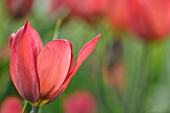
pixel 80 102
pixel 11 105
pixel 55 4
pixel 87 9
pixel 40 74
pixel 150 19
pixel 19 8
pixel 118 14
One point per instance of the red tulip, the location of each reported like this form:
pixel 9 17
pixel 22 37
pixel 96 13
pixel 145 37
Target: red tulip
pixel 40 74
pixel 55 4
pixel 150 19
pixel 87 9
pixel 11 105
pixel 117 14
pixel 19 8
pixel 80 102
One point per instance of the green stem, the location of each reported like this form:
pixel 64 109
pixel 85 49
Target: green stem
pixel 57 29
pixel 25 105
pixel 35 109
pixel 143 79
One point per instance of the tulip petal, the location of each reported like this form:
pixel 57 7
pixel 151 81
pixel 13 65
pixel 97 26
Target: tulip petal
pixel 72 57
pixel 14 40
pixel 83 54
pixel 25 48
pixel 53 65
pixel 11 38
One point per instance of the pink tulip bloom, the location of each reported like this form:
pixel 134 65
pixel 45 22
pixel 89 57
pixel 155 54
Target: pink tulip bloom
pixel 11 105
pixel 80 102
pixel 41 73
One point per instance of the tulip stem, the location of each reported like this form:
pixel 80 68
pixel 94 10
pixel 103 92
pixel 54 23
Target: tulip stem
pixel 25 105
pixel 57 29
pixel 143 79
pixel 35 109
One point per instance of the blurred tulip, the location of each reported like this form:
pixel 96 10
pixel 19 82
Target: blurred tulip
pixel 19 8
pixel 80 102
pixel 113 67
pixel 55 4
pixel 87 9
pixel 117 14
pixel 40 74
pixel 11 105
pixel 150 19
pixel 57 10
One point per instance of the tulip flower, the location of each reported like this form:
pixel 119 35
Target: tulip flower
pixel 80 102
pixel 150 19
pixel 87 9
pixel 18 8
pixel 55 4
pixel 11 105
pixel 41 73
pixel 117 14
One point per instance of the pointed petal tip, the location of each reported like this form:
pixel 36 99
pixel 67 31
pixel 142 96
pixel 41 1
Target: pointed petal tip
pixel 27 20
pixel 97 37
pixel 26 23
pixel 26 26
pixel 94 40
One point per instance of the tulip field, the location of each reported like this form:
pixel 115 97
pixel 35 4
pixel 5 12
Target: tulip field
pixel 84 56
